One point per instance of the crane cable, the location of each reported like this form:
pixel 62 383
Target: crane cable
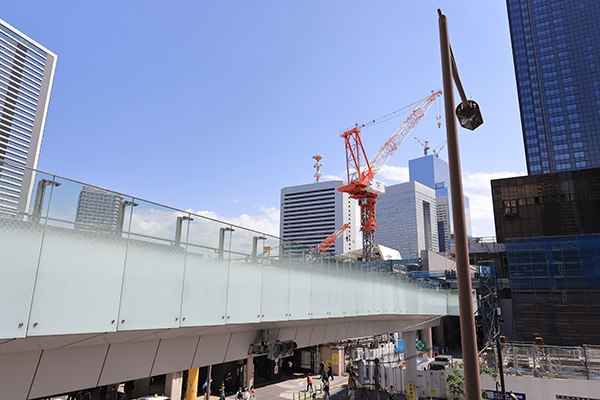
pixel 391 115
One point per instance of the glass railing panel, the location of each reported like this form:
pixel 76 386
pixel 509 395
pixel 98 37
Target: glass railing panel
pixel 386 282
pixel 452 303
pixel 362 299
pixel 20 242
pixel 397 293
pixel 319 289
pixel 337 283
pixel 299 289
pixel 372 289
pixel 245 278
pixel 153 281
pixel 80 272
pixel 274 291
pixel 351 288
pixel 206 272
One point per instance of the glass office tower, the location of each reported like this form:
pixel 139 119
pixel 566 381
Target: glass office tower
pixel 434 172
pixel 556 50
pixel 26 76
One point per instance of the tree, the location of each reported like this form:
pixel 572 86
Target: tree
pixel 456 380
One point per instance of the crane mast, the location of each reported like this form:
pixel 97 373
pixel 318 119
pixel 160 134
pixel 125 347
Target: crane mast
pixel 361 171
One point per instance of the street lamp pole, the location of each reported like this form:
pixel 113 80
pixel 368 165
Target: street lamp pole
pixel 463 273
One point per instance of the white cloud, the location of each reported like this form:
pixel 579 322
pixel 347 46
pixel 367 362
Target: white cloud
pixel 398 174
pixel 477 187
pixel 328 177
pixel 266 220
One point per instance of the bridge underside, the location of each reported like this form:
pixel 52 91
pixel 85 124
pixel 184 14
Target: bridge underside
pixel 44 365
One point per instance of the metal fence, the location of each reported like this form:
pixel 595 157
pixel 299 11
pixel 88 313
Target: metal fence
pixel 551 362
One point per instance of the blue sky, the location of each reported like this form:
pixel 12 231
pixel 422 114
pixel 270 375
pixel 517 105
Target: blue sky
pixel 214 106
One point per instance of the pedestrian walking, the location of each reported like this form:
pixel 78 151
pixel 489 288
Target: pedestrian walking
pixel 364 395
pixel 326 393
pixel 326 385
pixel 513 396
pixel 351 395
pixel 309 383
pixel 222 392
pixel 321 367
pixel 239 395
pixel 252 393
pixel 330 373
pixel 351 384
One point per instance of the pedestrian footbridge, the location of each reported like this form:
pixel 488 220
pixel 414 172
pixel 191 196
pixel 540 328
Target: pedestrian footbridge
pixel 97 287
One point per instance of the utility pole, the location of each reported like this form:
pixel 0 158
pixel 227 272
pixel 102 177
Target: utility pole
pixel 470 117
pixel 498 345
pixel 208 380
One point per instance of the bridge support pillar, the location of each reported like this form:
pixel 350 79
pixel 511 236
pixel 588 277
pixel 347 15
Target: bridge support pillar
pixel 250 371
pixel 410 355
pixel 174 385
pixel 192 383
pixel 141 387
pixel 425 334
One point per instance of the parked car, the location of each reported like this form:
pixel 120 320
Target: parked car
pixel 444 358
pixel 437 365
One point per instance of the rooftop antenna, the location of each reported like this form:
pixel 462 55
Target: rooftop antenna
pixel 318 166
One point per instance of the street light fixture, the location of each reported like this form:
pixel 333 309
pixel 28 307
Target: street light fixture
pixel 469 116
pixel 222 241
pixel 121 217
pixel 255 240
pixel 178 227
pixel 39 198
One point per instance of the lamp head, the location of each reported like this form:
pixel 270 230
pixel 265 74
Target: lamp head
pixel 469 118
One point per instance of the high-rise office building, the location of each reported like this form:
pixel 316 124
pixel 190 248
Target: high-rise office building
pixel 556 51
pixel 98 210
pixel 312 212
pixel 434 173
pixel 406 218
pixel 26 76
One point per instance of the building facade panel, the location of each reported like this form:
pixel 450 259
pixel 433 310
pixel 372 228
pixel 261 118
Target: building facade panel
pixel 555 285
pixel 26 77
pixel 310 213
pixel 407 219
pixel 557 204
pixel 556 52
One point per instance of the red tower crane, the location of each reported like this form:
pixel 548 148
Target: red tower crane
pixel 325 244
pixel 425 145
pixel 437 151
pixel 361 183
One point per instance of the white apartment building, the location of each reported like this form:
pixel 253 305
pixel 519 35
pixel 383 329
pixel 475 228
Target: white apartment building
pixel 26 77
pixel 98 210
pixel 312 212
pixel 407 218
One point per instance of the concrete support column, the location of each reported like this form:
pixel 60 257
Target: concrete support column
pixel 438 335
pixel 425 334
pixel 174 385
pixel 192 383
pixel 141 387
pixel 410 355
pixel 339 368
pixel 250 372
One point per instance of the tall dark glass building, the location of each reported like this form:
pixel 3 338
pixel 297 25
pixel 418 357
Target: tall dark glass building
pixel 556 50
